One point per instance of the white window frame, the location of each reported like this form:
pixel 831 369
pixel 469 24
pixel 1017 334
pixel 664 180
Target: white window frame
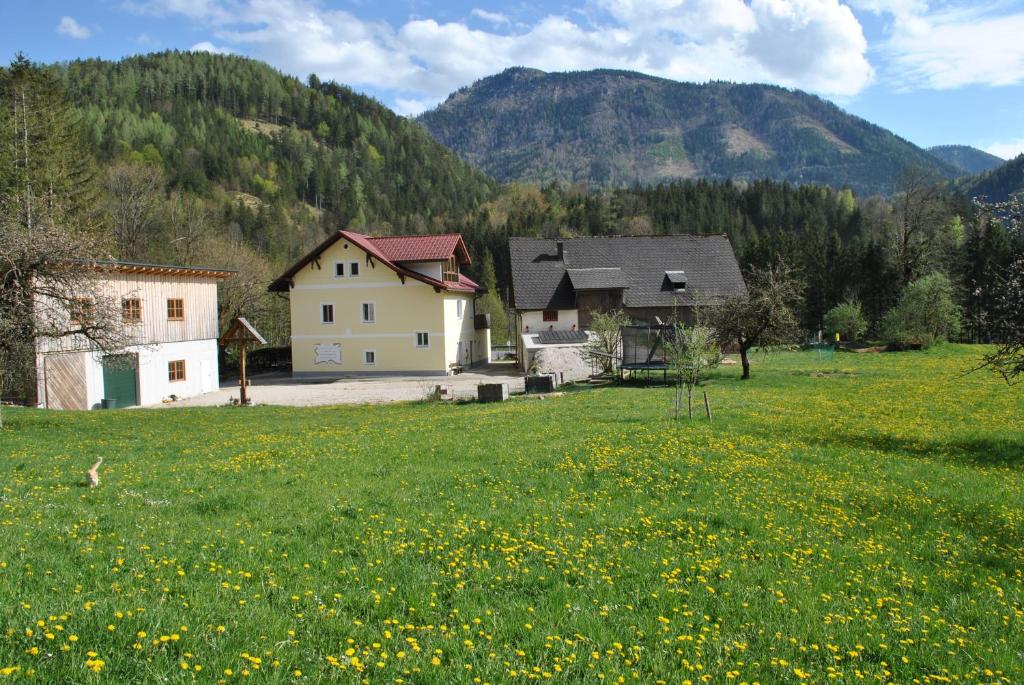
pixel 333 317
pixel 369 363
pixel 342 265
pixel 357 272
pixel 459 309
pixel 373 310
pixel 426 335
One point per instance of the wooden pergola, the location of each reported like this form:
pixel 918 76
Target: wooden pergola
pixel 243 334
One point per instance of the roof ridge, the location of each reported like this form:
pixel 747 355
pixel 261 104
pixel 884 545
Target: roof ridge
pixel 605 237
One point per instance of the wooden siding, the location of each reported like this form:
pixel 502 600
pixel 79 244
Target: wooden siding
pixel 64 378
pixel 199 295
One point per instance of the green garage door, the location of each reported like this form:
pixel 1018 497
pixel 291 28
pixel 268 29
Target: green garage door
pixel 120 379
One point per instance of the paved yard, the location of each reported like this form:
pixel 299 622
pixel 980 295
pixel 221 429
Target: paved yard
pixel 282 389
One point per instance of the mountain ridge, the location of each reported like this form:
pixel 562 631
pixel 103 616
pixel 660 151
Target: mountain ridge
pixel 968 159
pixel 618 128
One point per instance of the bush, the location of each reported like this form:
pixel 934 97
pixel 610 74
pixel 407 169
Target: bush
pixel 847 320
pixel 925 313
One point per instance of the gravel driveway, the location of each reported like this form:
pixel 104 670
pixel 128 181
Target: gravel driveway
pixel 282 389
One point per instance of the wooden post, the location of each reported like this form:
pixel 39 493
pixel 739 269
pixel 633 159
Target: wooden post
pixel 689 402
pixel 244 399
pixel 707 405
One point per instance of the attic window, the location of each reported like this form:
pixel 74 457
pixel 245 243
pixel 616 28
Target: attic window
pixel 677 279
pixel 451 270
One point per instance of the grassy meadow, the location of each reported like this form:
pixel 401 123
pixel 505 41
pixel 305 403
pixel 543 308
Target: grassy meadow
pixel 859 520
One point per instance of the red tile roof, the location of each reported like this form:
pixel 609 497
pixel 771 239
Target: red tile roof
pixel 390 252
pixel 422 248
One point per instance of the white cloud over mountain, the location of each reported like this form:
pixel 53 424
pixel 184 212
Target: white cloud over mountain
pixel 816 45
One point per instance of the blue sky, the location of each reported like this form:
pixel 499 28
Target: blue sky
pixel 933 71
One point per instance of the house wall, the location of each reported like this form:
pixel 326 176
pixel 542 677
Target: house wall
pixel 567 318
pixel 401 310
pixel 74 380
pixel 464 345
pixel 431 269
pixel 200 303
pixel 591 302
pixel 666 314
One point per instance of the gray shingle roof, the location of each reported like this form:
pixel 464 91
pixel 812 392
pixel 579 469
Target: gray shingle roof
pixel 542 280
pixel 605 278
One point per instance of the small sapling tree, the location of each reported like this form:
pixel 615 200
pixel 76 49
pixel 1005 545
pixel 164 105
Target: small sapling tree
pixel 692 352
pixel 606 338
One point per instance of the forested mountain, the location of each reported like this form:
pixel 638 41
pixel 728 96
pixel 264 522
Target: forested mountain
pixel 616 128
pixel 1000 183
pixel 969 160
pixel 216 123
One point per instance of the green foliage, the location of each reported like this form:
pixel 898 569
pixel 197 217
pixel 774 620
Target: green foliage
pixel 616 129
pixel 50 214
pixel 491 302
pixel 807 504
pixel 692 352
pixel 764 317
pixel 46 172
pixel 999 184
pixel 217 121
pixel 925 314
pixel 606 338
pixel 846 319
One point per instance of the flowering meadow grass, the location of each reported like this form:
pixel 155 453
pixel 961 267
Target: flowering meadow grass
pixel 860 520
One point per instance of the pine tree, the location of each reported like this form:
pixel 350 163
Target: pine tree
pixel 491 302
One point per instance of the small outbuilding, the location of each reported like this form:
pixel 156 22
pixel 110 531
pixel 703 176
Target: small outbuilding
pixel 170 318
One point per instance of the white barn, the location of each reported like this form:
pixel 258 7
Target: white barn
pixel 170 315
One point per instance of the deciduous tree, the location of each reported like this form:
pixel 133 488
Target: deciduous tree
pixel 765 317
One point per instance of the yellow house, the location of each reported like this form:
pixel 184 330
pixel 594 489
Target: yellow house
pixel 399 305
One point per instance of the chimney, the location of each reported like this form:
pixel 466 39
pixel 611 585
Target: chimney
pixel 560 245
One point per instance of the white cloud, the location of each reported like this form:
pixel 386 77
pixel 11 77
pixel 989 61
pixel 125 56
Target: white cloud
pixel 71 28
pixel 1008 149
pixel 817 44
pixel 207 46
pixel 496 18
pixel 410 107
pixel 951 46
pixel 811 44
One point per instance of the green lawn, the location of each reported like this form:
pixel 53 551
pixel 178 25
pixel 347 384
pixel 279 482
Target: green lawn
pixel 846 521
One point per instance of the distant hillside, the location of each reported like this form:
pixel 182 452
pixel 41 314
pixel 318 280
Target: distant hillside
pixel 617 128
pixel 1000 183
pixel 969 160
pixel 219 124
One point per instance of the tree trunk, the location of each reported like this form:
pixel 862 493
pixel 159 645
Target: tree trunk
pixel 689 403
pixel 746 363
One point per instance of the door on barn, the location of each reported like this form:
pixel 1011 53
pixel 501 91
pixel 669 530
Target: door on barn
pixel 121 379
pixel 205 376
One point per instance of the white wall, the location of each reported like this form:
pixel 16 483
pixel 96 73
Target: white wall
pixel 458 330
pixel 567 318
pixel 201 371
pixel 431 269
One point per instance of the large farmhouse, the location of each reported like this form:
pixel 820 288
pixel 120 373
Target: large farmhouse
pixel 170 319
pixel 558 284
pixel 364 305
